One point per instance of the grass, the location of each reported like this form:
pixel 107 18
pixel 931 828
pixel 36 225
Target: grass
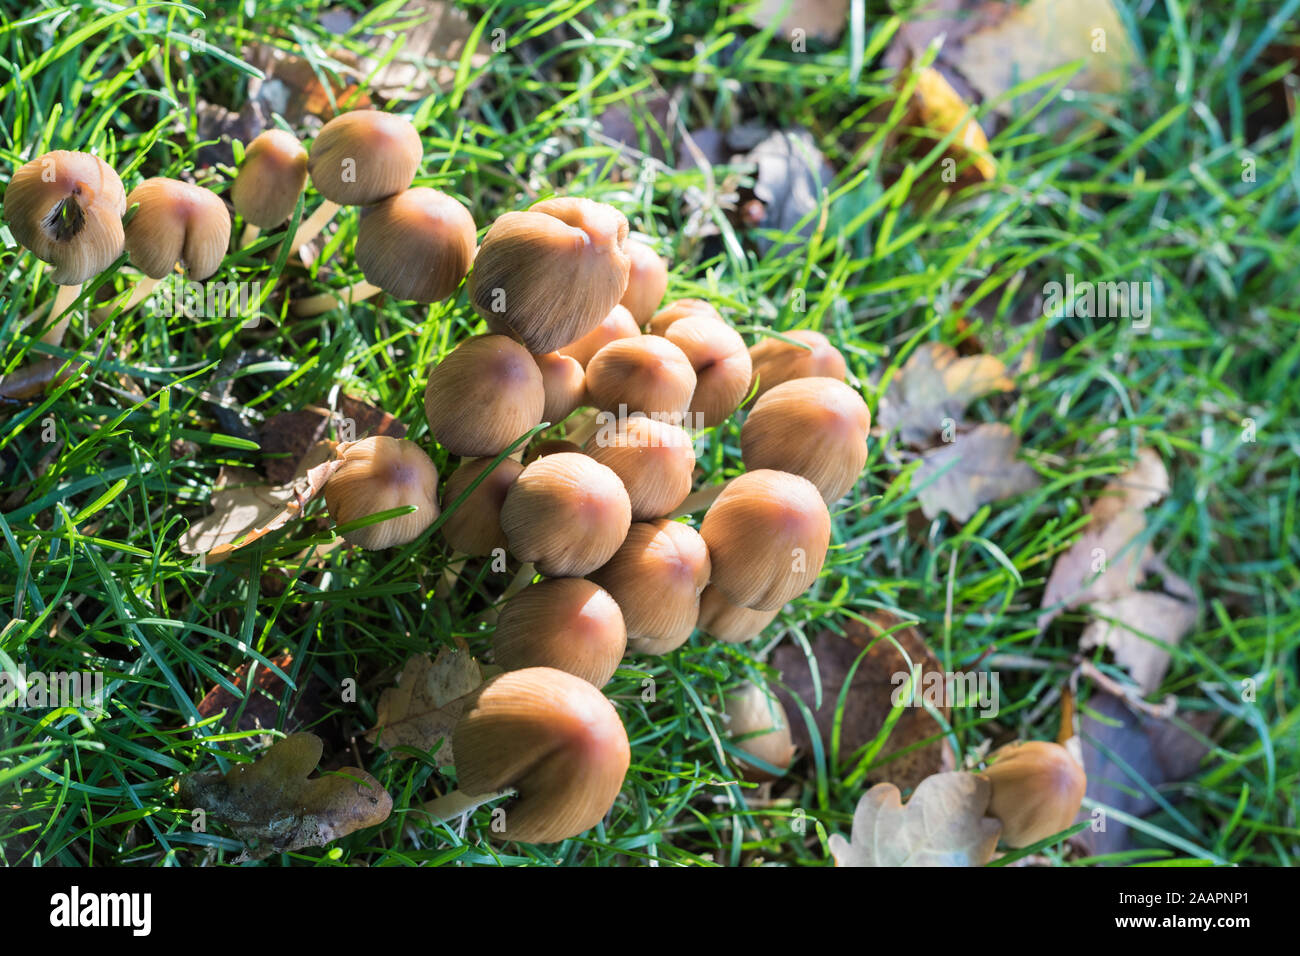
pixel 90 523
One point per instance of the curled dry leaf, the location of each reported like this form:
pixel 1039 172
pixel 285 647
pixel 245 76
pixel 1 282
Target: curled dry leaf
pixel 869 701
pixel 1105 562
pixel 943 824
pixel 264 694
pixel 1132 625
pixel 273 807
pixel 789 178
pixel 939 109
pixel 933 385
pixel 978 468
pixel 421 710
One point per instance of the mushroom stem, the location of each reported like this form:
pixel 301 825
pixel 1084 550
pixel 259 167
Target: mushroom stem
pixel 582 426
pixel 451 574
pixel 699 499
pixel 63 300
pixel 524 577
pixel 143 289
pixel 316 304
pixel 315 223
pixel 251 232
pixel 458 803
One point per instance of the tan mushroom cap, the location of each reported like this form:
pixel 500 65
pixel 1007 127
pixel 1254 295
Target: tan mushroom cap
pixel 728 622
pixel 759 726
pixel 721 362
pixel 474 528
pixel 814 427
pixel 647 281
pixel 551 736
pixel 653 459
pixel 483 396
pixel 379 474
pixel 680 309
pixel 565 385
pixel 271 178
pixel 567 514
pixel 619 324
pixel 361 157
pixel 648 374
pixel 570 624
pixel 67 207
pixel 549 275
pixel 177 223
pixel 776 361
pixel 417 245
pixel 656 577
pixel 767 535
pixel 1038 788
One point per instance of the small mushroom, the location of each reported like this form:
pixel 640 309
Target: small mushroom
pixel 474 527
pixel 570 624
pixel 66 208
pixel 483 396
pixel 728 622
pixel 776 360
pixel 619 324
pixel 656 577
pixel 721 362
pixel 358 159
pixel 567 514
pixel 647 374
pixel 565 385
pixel 680 309
pixel 177 223
pixel 647 281
pixel 1038 788
pixel 814 427
pixel 379 474
pixel 549 275
pixel 417 246
pixel 758 725
pixel 653 459
pixel 767 535
pixel 551 737
pixel 269 181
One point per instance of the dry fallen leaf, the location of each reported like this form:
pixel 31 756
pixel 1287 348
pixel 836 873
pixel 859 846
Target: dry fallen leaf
pixel 868 703
pixel 939 109
pixel 1127 625
pixel 820 19
pixel 264 695
pixel 273 807
pixel 423 708
pixel 978 468
pixel 1105 563
pixel 943 824
pixel 431 31
pixel 789 177
pixel 934 384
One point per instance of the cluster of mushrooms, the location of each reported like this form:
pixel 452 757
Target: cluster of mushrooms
pixel 565 294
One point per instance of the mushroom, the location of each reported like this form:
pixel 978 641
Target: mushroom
pixel 758 725
pixel 653 459
pixel 549 736
pixel 269 181
pixel 357 159
pixel 570 624
pixel 647 280
pixel 814 427
pixel 728 622
pixel 549 275
pixel 177 223
pixel 721 362
pixel 417 245
pixel 66 208
pixel 656 577
pixel 680 309
pixel 566 514
pixel 483 396
pixel 776 360
pixel 474 526
pixel 1038 788
pixel 648 374
pixel 767 535
pixel 564 383
pixel 378 474
pixel 619 324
